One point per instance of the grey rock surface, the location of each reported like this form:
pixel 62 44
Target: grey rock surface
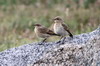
pixel 82 50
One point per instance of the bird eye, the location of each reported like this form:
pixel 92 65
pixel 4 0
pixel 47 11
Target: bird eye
pixel 57 19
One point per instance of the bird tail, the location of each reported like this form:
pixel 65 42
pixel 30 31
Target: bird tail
pixel 71 35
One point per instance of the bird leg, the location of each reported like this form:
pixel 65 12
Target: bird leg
pixel 63 40
pixel 43 41
pixel 60 39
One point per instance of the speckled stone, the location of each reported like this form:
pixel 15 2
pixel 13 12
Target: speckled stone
pixel 82 50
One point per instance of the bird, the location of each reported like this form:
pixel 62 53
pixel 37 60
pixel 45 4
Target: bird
pixel 43 32
pixel 60 28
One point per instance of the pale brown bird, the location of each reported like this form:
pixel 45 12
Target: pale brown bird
pixel 43 32
pixel 60 28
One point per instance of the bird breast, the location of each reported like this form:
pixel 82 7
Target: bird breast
pixel 36 31
pixel 59 29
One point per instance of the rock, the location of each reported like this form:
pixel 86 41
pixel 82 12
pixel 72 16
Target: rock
pixel 82 50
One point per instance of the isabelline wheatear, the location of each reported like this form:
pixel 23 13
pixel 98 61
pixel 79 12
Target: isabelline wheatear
pixel 60 28
pixel 43 32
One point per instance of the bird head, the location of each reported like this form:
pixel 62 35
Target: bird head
pixel 58 19
pixel 37 25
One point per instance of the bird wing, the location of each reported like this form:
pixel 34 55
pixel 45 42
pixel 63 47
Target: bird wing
pixel 46 31
pixel 66 28
pixel 43 30
pixel 51 32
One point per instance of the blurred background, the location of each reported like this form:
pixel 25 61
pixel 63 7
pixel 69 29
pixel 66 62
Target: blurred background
pixel 17 17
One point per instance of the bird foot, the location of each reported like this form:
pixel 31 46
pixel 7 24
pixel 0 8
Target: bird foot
pixel 58 41
pixel 63 40
pixel 41 43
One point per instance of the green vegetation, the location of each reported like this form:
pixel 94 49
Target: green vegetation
pixel 18 16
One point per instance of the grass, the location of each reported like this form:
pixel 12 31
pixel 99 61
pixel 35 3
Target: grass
pixel 16 21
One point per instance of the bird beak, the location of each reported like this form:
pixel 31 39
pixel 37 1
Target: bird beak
pixel 54 19
pixel 33 25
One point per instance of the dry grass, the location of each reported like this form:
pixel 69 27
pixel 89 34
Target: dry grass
pixel 16 21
